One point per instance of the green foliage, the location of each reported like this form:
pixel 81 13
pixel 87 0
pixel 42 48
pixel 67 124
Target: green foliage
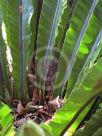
pixel 77 32
pixel 35 23
pixel 6 121
pixel 66 116
pixel 48 32
pixel 3 62
pixel 30 129
pixel 93 127
pixel 79 40
pixel 10 12
pixel 11 22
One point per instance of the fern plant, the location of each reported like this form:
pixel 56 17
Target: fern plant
pixel 93 126
pixel 55 47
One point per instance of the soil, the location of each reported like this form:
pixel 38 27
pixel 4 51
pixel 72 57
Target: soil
pixel 37 113
pixel 38 108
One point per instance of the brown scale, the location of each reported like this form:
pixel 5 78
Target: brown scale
pixel 50 80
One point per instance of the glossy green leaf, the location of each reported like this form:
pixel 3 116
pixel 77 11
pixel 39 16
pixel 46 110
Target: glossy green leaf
pixel 63 25
pixel 80 24
pixel 10 11
pixel 93 127
pixel 11 22
pixel 37 4
pixel 26 19
pixel 31 129
pixel 6 121
pixel 47 32
pixel 93 55
pixel 2 91
pixel 79 119
pixel 98 132
pixel 87 43
pixel 3 59
pixel 88 90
